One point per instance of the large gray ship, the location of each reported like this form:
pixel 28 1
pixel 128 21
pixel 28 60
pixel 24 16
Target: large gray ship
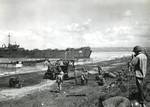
pixel 14 51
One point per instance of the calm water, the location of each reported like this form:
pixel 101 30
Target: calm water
pixel 11 69
pixel 102 56
pixel 95 57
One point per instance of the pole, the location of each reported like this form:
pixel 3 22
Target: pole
pixel 75 75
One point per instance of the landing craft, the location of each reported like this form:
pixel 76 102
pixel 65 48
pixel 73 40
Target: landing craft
pixel 14 51
pixel 18 63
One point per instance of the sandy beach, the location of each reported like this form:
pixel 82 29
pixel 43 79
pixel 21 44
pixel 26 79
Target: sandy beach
pixel 43 93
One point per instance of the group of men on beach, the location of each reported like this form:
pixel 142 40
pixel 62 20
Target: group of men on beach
pixel 138 63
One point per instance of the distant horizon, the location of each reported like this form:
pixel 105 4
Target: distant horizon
pixel 122 47
pixel 92 48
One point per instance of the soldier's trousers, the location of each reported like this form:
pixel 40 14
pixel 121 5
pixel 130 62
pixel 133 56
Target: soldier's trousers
pixel 139 83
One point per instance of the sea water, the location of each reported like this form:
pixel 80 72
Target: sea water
pixel 95 57
pixel 10 69
pixel 104 56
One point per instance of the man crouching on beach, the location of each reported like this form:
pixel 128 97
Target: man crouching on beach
pixel 59 78
pixel 139 62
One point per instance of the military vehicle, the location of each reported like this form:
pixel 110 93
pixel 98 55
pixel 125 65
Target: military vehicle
pixel 53 70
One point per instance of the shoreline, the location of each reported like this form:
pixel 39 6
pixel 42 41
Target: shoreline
pixel 49 97
pixel 6 74
pixel 91 60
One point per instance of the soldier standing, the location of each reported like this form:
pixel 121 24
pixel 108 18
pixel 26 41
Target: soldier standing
pixel 139 62
pixel 100 70
pixel 84 76
pixel 59 79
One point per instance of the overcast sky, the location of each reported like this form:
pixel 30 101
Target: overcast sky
pixel 74 23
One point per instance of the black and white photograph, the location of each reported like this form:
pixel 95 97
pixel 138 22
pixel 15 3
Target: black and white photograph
pixel 74 53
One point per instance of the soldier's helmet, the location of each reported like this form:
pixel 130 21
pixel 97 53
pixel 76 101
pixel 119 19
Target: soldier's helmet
pixel 137 49
pixel 61 73
pixel 135 103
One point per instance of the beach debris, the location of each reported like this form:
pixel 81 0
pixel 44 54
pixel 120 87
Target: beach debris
pixel 111 85
pixel 109 74
pixel 123 88
pixel 117 101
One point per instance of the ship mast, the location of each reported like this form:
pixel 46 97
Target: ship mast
pixel 8 39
